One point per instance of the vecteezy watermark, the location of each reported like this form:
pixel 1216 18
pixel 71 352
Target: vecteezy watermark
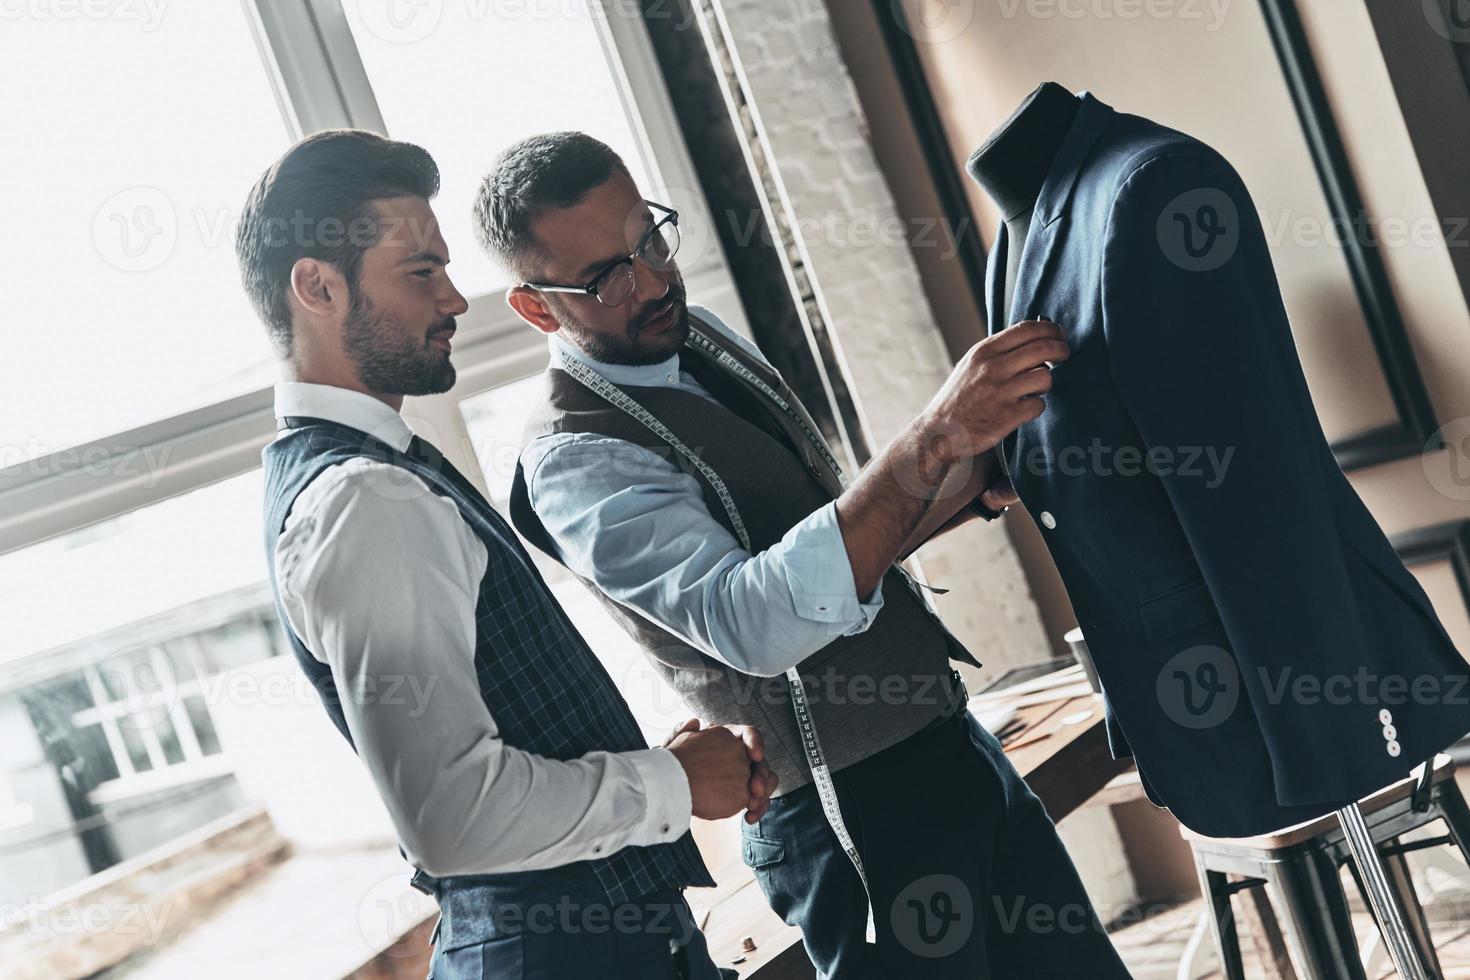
pixel 641 682
pixel 1199 230
pixel 1449 18
pixel 933 21
pixel 567 915
pixel 147 13
pixel 135 230
pixel 843 229
pixel 1199 687
pixel 1206 463
pixel 145 689
pixel 1363 687
pixel 933 916
pixel 145 464
pixel 409 21
pixel 1209 12
pixel 388 913
pixel 71 919
pixel 138 228
pixel 400 21
pixel 1423 231
pixel 1446 459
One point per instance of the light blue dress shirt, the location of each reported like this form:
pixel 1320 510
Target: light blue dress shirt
pixel 636 525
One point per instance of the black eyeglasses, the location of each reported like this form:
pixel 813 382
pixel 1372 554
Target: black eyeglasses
pixel 614 283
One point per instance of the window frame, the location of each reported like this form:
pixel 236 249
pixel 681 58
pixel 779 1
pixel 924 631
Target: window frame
pixel 307 49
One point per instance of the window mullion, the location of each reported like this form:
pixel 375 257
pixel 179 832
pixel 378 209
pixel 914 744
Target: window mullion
pixel 319 78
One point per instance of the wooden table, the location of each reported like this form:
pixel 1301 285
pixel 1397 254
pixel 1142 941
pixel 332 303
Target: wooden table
pixel 1065 768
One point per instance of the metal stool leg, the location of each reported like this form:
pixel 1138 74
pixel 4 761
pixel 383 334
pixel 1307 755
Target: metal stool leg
pixel 1385 904
pixel 1399 879
pixel 1456 815
pixel 1215 886
pixel 1315 909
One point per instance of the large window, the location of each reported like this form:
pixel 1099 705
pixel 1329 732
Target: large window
pixel 540 68
pixel 129 147
pixel 138 381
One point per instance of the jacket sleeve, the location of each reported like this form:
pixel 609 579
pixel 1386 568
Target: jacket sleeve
pixel 1202 354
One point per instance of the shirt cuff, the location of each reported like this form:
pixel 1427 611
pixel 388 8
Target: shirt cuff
pixel 820 574
pixel 666 788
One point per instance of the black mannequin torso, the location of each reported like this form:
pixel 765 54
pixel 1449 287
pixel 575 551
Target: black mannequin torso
pixel 1013 162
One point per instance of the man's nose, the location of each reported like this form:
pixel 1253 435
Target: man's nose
pixel 454 304
pixel 648 286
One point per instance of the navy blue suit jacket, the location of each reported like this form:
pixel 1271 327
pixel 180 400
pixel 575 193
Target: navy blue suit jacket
pixel 1264 653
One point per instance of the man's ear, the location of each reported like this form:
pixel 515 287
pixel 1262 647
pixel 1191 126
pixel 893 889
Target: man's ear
pixel 530 305
pixel 318 287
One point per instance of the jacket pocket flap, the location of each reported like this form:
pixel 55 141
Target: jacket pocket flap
pixel 1177 610
pixel 761 851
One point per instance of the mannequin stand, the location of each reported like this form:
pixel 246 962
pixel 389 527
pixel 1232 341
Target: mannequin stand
pixel 1386 910
pixel 1294 878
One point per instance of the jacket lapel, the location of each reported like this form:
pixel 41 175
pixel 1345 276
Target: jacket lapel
pixel 1031 301
pixel 1039 252
pixel 995 283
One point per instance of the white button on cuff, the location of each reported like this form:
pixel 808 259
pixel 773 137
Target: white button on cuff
pixel 1390 732
pixel 1385 717
pixel 1393 749
pixel 1047 520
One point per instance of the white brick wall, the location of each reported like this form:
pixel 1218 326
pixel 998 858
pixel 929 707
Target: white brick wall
pixel 867 289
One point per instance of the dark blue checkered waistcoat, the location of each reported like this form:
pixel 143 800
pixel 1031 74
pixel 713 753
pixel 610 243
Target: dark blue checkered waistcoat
pixel 547 691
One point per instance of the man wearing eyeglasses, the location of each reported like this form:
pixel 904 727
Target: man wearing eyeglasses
pixel 671 469
pixel 554 840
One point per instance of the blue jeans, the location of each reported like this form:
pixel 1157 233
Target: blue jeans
pixel 968 875
pixel 560 924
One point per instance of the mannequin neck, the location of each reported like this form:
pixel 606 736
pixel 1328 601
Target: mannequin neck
pixel 1012 164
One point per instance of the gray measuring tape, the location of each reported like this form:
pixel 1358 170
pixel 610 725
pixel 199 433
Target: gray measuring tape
pixel 812 747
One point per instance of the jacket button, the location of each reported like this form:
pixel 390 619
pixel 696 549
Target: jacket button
pixel 1393 749
pixel 1390 732
pixel 1047 520
pixel 1385 717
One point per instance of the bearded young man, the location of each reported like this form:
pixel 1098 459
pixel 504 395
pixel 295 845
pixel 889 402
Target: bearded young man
pixel 670 467
pixel 554 840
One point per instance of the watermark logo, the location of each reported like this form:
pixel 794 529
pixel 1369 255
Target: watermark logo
pixel 1449 18
pixel 1210 13
pixel 142 684
pixel 147 13
pixel 389 911
pixel 1198 688
pixel 1199 230
pixel 934 21
pixel 401 21
pixel 1446 459
pixel 135 230
pixel 934 916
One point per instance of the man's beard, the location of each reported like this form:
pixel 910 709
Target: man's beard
pixel 632 348
pixel 388 359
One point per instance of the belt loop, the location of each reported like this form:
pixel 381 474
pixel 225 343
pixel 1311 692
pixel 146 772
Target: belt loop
pixel 424 882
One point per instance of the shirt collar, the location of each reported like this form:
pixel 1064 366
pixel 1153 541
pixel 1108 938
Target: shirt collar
pixel 345 407
pixel 664 374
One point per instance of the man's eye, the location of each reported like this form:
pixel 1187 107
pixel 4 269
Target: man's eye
pixel 424 273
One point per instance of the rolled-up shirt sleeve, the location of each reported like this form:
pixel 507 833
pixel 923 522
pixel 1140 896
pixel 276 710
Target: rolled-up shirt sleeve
pixel 639 528
pixel 380 579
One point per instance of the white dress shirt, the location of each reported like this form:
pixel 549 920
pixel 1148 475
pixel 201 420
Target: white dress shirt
pixel 379 577
pixel 639 527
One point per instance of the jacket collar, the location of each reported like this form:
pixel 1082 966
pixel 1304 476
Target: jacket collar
pixel 1093 116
